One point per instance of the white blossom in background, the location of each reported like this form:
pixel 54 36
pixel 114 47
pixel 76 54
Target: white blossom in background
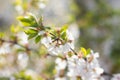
pixel 19 9
pixel 88 69
pixel 60 66
pixel 22 60
pixel 33 74
pixel 60 78
pixel 41 32
pixel 70 37
pixel 74 29
pixel 41 5
pixel 60 49
pixel 23 38
pixel 12 78
pixel 5 48
pixel 116 77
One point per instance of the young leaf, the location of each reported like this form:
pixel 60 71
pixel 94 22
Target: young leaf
pixel 32 36
pixel 37 39
pixel 15 29
pixel 64 28
pixel 83 50
pixel 2 34
pixel 63 35
pixel 31 31
pixel 28 20
pixel 88 51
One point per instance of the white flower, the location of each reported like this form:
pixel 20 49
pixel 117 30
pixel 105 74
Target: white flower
pixel 34 75
pixel 19 9
pixel 61 64
pixel 42 5
pixel 60 78
pixel 5 48
pixel 116 77
pixel 74 29
pixel 88 69
pixel 23 38
pixel 41 32
pixel 56 49
pixel 22 60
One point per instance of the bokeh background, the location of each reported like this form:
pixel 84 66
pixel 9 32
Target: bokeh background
pixel 95 24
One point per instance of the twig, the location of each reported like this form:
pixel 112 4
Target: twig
pixel 73 51
pixel 16 43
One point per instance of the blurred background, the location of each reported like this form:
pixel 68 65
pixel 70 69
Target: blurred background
pixel 95 24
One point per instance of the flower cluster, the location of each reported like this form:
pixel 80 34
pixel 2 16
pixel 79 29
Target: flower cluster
pixel 60 43
pixel 57 46
pixel 84 68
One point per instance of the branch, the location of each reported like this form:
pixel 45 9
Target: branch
pixel 16 43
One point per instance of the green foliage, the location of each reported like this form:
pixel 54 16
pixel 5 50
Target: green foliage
pixel 21 75
pixel 34 26
pixel 63 32
pixel 50 69
pixel 15 29
pixel 32 35
pixel 84 51
pixel 60 33
pixel 1 34
pixel 28 20
pixel 38 38
pixel 31 31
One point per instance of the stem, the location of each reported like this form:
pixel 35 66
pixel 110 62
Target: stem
pixel 73 51
pixel 15 43
pixel 107 74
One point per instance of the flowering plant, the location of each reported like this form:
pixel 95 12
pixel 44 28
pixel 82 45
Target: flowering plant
pixel 58 43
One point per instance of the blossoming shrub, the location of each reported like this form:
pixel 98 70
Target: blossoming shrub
pixel 59 43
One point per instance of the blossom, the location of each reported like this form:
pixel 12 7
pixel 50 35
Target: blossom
pixel 19 9
pixel 5 48
pixel 61 64
pixel 60 69
pixel 55 48
pixel 116 77
pixel 22 60
pixel 86 69
pixel 60 78
pixel 42 5
pixel 22 38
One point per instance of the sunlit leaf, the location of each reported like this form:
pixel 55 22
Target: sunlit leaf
pixel 28 20
pixel 37 39
pixel 32 36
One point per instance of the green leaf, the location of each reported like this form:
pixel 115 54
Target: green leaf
pixel 28 20
pixel 83 50
pixel 47 27
pixel 31 31
pixel 32 36
pixel 64 28
pixel 63 32
pixel 88 51
pixel 2 34
pixel 37 39
pixel 63 35
pixel 15 29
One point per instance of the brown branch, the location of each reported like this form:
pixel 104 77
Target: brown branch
pixel 16 43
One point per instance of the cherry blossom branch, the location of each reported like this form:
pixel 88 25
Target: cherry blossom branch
pixel 16 43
